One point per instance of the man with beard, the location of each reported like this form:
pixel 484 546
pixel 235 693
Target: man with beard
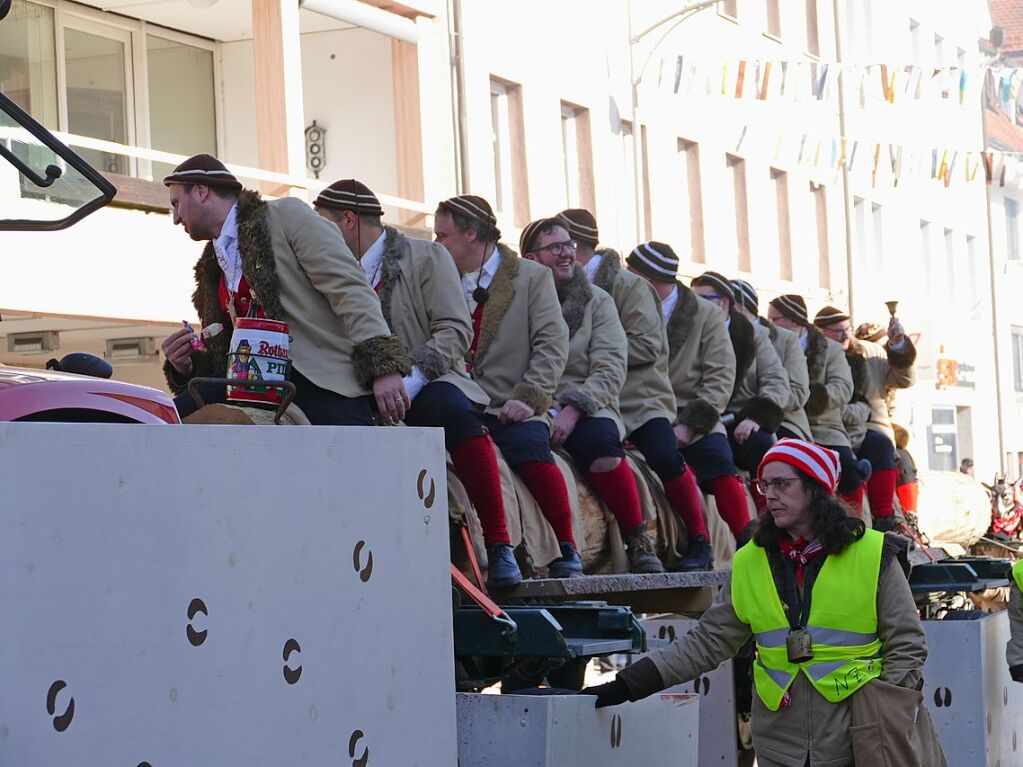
pixel 831 389
pixel 586 418
pixel 646 402
pixel 281 261
pixel 517 355
pixel 701 366
pixel 875 369
pixel 421 298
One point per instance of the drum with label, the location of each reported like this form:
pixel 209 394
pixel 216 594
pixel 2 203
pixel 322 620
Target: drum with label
pixel 258 353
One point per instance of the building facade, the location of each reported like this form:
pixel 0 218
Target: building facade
pixel 667 123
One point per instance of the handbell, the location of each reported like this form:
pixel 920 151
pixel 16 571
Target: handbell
pixel 892 306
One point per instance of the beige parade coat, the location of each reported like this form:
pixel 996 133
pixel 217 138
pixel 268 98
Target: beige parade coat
pixel 647 392
pixel 597 351
pixel 701 362
pixel 762 386
pixel 875 369
pixel 523 341
pixel 830 389
pixel 786 345
pixel 422 301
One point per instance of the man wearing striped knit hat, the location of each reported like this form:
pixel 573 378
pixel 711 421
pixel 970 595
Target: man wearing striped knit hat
pixel 518 353
pixel 701 367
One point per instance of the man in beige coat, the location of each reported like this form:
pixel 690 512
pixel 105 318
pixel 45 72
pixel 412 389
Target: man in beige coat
pixel 761 385
pixel 701 366
pixel 586 417
pixel 517 355
pixel 876 370
pixel 830 390
pixel 646 402
pixel 794 424
pixel 421 297
pixel 281 261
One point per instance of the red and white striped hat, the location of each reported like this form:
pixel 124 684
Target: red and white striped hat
pixel 818 463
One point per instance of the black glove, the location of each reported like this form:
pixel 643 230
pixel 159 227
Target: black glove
pixel 613 693
pixel 1016 672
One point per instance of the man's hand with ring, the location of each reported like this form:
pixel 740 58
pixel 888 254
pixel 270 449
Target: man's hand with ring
pixel 515 410
pixel 391 397
pixel 177 348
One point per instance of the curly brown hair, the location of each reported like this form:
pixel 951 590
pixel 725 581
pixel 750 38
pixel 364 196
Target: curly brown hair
pixel 832 523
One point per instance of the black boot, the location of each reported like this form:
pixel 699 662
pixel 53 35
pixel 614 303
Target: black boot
pixel 699 555
pixel 502 569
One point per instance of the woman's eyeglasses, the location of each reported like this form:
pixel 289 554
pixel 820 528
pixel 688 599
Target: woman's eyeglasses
pixel 778 485
pixel 557 248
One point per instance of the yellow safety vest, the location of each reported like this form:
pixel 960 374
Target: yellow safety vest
pixel 842 621
pixel 1017 573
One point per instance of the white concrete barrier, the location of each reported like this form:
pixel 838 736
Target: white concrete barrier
pixel 567 731
pixel 224 595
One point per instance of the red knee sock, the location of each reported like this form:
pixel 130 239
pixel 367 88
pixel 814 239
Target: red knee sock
pixel 731 501
pixel 545 482
pixel 684 497
pixel 881 492
pixel 907 496
pixel 618 489
pixel 476 465
pixel 854 500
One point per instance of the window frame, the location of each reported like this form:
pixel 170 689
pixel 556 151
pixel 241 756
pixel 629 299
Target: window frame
pixel 1016 341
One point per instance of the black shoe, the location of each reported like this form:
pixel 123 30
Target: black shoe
pixel 699 555
pixel 568 565
pixel 502 569
pixel 640 548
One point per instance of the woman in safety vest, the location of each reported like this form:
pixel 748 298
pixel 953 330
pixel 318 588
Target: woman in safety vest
pixel 1014 647
pixel 828 607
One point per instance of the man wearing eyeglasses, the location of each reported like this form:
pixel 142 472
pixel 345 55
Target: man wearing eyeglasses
pixel 646 402
pixel 586 417
pixel 875 371
pixel 701 366
pixel 761 384
pixel 518 352
pixel 831 389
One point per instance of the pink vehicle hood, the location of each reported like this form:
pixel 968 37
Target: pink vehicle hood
pixel 24 392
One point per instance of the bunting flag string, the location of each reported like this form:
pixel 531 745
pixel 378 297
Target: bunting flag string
pixel 766 80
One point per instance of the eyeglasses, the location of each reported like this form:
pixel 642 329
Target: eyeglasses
pixel 557 248
pixel 778 485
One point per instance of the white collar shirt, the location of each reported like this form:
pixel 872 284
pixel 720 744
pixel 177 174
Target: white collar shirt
pixel 478 279
pixel 372 261
pixel 226 249
pixel 592 266
pixel 668 304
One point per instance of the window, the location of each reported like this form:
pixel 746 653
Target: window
pixel 1017 358
pixel 28 72
pixel 859 28
pixel 927 259
pixel 960 58
pixel 877 227
pixel 914 37
pixel 939 51
pixel 781 196
pixel 774 18
pixel 947 279
pixel 511 188
pixel 970 266
pixel 729 8
pixel 690 213
pixel 1011 229
pixel 813 35
pixel 628 223
pixel 942 450
pixel 820 210
pixel 736 177
pixel 577 157
pixel 869 223
pixel 111 78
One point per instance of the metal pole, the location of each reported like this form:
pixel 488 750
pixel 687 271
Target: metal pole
pixel 637 159
pixel 997 360
pixel 846 189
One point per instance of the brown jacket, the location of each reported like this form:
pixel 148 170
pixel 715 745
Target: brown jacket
pixel 761 384
pixel 302 273
pixel 875 370
pixel 422 301
pixel 810 725
pixel 701 362
pixel 523 340
pixel 647 392
pixel 597 351
pixel 830 389
pixel 786 346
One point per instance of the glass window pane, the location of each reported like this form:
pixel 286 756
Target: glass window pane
pixel 28 66
pixel 97 100
pixel 182 114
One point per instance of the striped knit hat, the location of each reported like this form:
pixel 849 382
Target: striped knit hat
pixel 352 195
pixel 793 307
pixel 746 295
pixel 471 206
pixel 818 463
pixel 716 281
pixel 532 232
pixel 203 169
pixel 829 315
pixel 871 331
pixel 581 225
pixel 655 260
